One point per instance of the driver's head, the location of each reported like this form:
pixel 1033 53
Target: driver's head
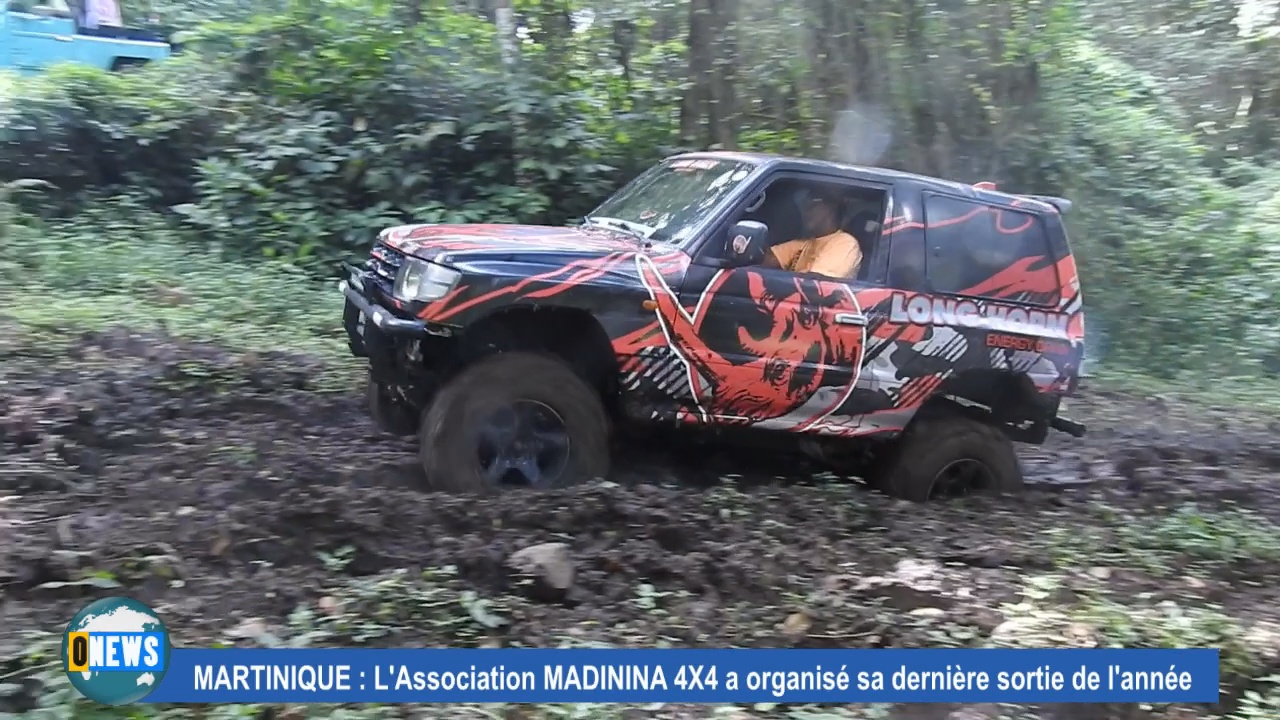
pixel 820 215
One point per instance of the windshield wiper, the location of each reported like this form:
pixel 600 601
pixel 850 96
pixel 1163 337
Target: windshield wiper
pixel 640 232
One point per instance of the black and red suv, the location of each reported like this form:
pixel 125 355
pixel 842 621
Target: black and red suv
pixel 516 352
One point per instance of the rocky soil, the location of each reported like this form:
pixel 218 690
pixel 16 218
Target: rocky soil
pixel 248 507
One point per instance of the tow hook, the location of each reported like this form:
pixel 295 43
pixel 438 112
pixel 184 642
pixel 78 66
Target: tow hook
pixel 1070 427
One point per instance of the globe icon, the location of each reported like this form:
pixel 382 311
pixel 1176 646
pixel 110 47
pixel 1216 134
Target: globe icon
pixel 116 614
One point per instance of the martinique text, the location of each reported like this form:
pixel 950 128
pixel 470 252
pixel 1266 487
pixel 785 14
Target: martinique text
pixel 282 677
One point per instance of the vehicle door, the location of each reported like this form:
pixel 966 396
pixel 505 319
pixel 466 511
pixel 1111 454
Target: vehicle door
pixel 37 41
pixel 769 347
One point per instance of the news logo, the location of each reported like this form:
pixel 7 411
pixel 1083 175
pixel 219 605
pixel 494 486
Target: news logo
pixel 116 651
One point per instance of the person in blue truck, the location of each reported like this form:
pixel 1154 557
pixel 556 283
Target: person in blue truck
pixel 99 17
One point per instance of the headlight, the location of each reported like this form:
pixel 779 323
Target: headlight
pixel 421 281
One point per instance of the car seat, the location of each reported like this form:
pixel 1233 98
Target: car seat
pixel 863 225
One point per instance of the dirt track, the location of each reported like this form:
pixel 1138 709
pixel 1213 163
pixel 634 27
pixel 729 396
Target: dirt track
pixel 227 494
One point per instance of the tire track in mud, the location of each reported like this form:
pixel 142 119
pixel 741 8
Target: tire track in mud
pixel 212 485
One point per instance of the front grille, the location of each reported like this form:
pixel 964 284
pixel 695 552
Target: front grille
pixel 385 262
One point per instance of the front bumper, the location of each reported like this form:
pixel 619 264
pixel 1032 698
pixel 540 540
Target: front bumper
pixel 403 352
pixel 376 331
pixel 356 288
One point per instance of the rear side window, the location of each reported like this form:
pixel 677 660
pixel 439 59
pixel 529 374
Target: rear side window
pixel 985 251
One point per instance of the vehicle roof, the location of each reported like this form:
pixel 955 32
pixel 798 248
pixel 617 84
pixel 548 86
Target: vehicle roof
pixel 883 175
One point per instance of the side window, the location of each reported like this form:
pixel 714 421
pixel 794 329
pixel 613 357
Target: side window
pixel 969 244
pixel 906 263
pixel 820 227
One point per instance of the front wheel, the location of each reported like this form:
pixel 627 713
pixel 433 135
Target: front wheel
pixel 514 419
pixel 945 457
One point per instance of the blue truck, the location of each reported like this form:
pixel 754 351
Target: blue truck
pixel 35 34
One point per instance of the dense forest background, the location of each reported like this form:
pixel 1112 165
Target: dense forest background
pixel 291 130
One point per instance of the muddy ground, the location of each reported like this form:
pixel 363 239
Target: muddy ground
pixel 248 507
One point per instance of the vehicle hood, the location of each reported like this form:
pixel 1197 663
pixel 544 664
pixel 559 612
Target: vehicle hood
pixel 451 244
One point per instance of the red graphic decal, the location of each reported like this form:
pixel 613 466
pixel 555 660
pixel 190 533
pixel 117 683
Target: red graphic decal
pixel 416 239
pixel 918 389
pixel 785 367
pixel 1026 276
pixel 544 285
pixel 647 336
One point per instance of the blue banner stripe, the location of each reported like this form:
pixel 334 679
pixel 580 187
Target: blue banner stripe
pixel 688 676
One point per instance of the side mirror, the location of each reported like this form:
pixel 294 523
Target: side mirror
pixel 745 243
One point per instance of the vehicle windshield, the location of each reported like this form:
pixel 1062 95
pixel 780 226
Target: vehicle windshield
pixel 667 202
pixel 58 8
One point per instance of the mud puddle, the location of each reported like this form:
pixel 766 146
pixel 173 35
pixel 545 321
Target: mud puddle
pixel 226 492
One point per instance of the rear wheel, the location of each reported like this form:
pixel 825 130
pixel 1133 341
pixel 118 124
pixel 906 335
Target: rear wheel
pixel 948 456
pixel 514 419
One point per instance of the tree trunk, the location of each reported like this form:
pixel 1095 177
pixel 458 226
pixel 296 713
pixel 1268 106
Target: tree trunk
pixel 413 12
pixel 696 97
pixel 505 23
pixel 722 112
pixel 624 44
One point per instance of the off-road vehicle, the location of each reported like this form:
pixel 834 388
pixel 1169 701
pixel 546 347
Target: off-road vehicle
pixel 517 352
pixel 35 34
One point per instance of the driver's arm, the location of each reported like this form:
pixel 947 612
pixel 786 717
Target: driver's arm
pixel 783 254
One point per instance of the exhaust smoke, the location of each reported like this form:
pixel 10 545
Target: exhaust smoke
pixel 860 136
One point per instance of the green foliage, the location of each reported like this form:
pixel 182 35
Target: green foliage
pixel 368 125
pixel 1165 248
pixel 316 127
pixel 86 130
pixel 1260 704
pixel 295 130
pixel 119 264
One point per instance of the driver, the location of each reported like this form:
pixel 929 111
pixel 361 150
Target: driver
pixel 827 250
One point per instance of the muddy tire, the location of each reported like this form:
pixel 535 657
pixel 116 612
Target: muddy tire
pixel 510 417
pixel 947 456
pixel 390 413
